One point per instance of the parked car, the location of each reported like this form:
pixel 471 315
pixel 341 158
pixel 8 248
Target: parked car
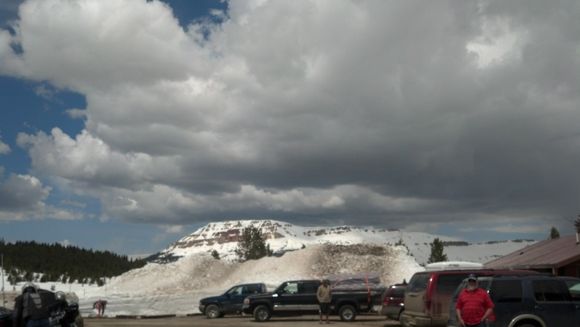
pixel 527 301
pixel 62 307
pixel 229 302
pixel 5 317
pixel 299 297
pixel 429 293
pixel 394 301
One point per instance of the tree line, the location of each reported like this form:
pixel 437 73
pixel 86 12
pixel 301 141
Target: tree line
pixel 40 262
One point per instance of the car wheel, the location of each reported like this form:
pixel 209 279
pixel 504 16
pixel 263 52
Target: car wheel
pixel 347 313
pixel 212 311
pixel 79 322
pixel 399 316
pixel 262 313
pixel 403 321
pixel 527 325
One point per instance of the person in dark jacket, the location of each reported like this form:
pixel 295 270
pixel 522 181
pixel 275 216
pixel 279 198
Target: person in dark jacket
pixel 29 310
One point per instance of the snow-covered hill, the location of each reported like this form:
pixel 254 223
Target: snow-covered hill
pixel 282 237
pixel 175 287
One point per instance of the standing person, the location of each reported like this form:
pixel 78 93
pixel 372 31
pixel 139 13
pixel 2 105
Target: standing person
pixel 103 307
pixel 29 310
pixel 473 305
pixel 99 306
pixel 324 295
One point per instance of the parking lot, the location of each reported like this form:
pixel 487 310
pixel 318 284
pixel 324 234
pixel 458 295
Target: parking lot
pixel 234 321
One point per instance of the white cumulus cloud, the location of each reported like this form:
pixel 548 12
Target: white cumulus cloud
pixel 358 110
pixel 4 148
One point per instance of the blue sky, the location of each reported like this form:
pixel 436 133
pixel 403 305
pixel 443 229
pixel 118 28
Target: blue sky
pixel 128 130
pixel 26 108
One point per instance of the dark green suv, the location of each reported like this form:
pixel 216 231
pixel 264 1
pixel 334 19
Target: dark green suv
pixel 528 301
pixel 230 302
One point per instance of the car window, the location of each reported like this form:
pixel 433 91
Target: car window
pixel 447 283
pixel 397 292
pixel 506 291
pixel 574 288
pixel 459 289
pixel 418 283
pixel 550 291
pixel 290 288
pixel 236 290
pixel 307 288
pixel 481 283
pixel 252 289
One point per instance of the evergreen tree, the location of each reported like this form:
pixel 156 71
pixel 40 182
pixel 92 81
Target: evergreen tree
pixel 437 253
pixel 554 233
pixel 252 245
pixel 54 262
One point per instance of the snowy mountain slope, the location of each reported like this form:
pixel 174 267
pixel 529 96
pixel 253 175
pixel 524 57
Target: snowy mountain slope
pixel 282 237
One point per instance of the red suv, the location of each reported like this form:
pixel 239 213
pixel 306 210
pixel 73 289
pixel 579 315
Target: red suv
pixel 428 295
pixel 394 301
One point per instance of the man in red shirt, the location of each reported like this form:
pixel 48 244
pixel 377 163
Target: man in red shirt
pixel 473 305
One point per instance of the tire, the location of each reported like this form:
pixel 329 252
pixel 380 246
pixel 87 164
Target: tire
pixel 212 311
pixel 399 315
pixel 347 313
pixel 526 325
pixel 262 313
pixel 403 321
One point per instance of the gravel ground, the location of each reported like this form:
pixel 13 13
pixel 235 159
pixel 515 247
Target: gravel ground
pixel 201 321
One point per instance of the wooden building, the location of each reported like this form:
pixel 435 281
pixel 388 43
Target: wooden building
pixel 560 257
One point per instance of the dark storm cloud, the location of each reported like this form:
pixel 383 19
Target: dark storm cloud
pixel 358 111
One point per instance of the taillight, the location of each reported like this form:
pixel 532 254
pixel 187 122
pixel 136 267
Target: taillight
pixel 386 300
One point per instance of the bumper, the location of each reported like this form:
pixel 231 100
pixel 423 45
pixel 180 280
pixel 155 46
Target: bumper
pixel 202 308
pixel 391 311
pixel 415 321
pixel 246 309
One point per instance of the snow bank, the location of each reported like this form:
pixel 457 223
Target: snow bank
pixel 177 287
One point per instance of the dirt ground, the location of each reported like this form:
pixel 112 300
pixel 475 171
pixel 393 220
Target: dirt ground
pixel 235 321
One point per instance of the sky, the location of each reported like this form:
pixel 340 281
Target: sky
pixel 127 124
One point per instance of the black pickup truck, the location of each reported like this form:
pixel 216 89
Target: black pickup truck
pixel 230 301
pixel 299 297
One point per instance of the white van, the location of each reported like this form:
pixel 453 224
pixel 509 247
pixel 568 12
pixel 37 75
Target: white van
pixel 453 265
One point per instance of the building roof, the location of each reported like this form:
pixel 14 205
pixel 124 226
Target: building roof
pixel 554 253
